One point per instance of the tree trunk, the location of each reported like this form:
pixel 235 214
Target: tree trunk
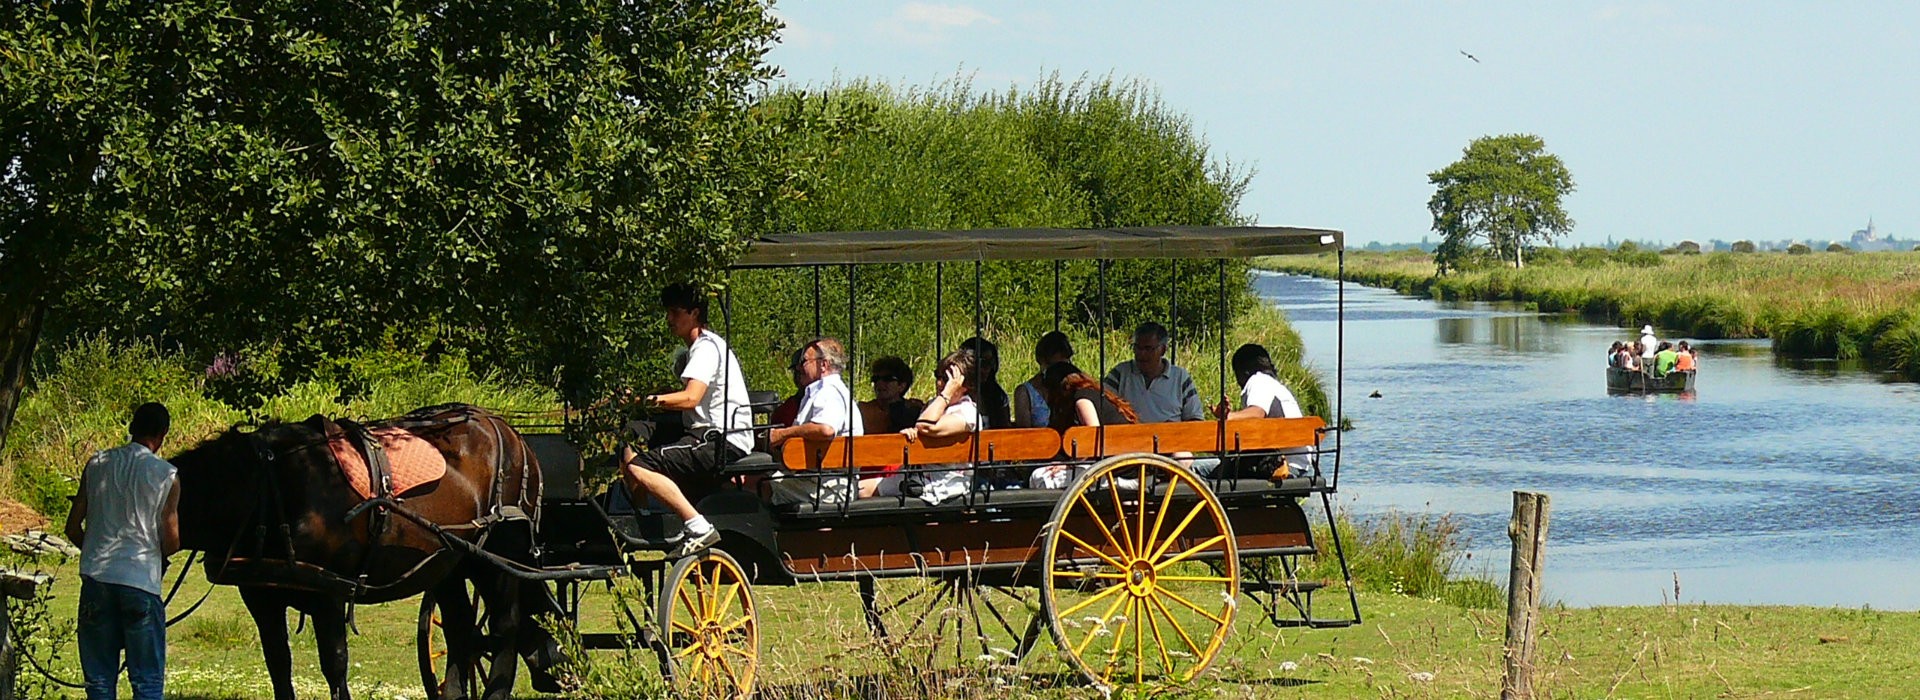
pixel 23 313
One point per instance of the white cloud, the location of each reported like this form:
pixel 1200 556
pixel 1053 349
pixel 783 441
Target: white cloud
pixel 931 23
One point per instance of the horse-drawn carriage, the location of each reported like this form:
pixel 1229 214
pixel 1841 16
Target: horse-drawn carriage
pixel 1135 570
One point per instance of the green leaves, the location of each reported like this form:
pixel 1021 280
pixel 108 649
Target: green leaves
pixel 1504 194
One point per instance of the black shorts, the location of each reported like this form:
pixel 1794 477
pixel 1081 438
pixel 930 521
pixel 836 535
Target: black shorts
pixel 692 462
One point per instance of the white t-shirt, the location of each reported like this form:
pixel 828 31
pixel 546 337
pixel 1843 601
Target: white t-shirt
pixel 126 489
pixel 726 391
pixel 1649 345
pixel 826 401
pixel 1265 391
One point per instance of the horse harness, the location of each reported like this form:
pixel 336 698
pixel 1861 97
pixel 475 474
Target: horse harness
pixel 269 512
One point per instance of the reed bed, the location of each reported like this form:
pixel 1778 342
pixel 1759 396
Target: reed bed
pixel 1841 305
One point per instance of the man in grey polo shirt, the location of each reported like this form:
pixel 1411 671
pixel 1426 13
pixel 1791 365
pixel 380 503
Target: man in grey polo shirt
pixel 1158 391
pixel 126 518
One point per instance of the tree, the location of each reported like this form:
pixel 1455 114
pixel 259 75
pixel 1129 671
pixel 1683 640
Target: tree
pixel 1504 194
pixel 510 178
pixel 1744 247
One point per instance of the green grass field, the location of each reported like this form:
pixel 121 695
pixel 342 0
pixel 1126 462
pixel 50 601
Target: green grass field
pixel 815 646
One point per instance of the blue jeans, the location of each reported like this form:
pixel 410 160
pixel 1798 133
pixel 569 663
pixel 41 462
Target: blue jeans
pixel 115 618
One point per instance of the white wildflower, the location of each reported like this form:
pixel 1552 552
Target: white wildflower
pixel 1364 661
pixel 1420 677
pixel 1289 666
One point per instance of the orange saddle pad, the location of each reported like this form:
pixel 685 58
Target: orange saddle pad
pixel 411 461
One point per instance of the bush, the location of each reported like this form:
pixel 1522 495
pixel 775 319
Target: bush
pixel 1838 248
pixel 1745 247
pixel 1798 249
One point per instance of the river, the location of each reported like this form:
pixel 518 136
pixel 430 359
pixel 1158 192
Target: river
pixel 1777 483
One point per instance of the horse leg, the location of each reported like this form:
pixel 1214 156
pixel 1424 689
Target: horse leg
pixel 503 621
pixel 535 642
pixel 330 637
pixel 269 611
pixel 457 628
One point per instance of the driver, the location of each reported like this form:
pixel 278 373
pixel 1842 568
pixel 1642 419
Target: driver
pixel 714 410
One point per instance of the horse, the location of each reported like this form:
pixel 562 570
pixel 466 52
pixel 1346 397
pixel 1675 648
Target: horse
pixel 274 516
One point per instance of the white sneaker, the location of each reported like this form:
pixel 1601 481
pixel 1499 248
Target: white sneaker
pixel 692 544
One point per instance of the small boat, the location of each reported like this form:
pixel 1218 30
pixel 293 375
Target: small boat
pixel 1626 381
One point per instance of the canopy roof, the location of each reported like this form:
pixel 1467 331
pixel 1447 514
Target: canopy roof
pixel 870 247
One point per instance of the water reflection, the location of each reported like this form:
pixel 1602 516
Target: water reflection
pixel 1773 472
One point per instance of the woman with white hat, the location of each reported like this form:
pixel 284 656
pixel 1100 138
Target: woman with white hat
pixel 1647 342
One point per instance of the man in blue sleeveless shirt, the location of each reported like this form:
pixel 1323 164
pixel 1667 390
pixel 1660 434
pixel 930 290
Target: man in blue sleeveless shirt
pixel 126 519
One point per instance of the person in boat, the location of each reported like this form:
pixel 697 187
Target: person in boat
pixel 826 404
pixel 995 409
pixel 1158 390
pixel 890 407
pixel 1030 409
pixel 1613 354
pixel 951 413
pixel 1262 395
pixel 1075 399
pixel 1630 357
pixel 1684 360
pixel 1664 360
pixel 715 417
pixel 1647 344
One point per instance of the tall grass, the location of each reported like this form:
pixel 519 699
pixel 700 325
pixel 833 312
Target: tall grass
pixel 1814 305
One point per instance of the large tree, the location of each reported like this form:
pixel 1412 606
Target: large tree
pixel 1500 198
pixel 510 177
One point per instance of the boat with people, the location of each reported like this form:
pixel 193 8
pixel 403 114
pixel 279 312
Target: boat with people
pixel 1651 366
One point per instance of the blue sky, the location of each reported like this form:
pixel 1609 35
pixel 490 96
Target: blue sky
pixel 1762 120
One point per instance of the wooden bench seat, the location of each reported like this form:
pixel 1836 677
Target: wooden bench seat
pixel 893 449
pixel 1248 435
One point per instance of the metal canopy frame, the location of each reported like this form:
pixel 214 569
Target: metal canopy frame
pixel 918 246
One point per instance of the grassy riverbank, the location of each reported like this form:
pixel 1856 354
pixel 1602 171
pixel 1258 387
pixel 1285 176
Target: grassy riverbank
pixel 1860 305
pixel 815 647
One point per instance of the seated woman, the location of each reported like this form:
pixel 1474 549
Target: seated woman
pixel 995 409
pixel 1030 408
pixel 890 408
pixel 1075 399
pixel 951 413
pixel 1613 354
pixel 1684 360
pixel 1262 395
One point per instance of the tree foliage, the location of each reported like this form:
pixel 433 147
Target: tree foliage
pixel 1087 153
pixel 289 179
pixel 1500 198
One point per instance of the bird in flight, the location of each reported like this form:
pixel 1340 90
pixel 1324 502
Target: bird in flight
pixel 1471 56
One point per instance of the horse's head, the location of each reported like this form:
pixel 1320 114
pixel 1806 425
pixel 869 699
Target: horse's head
pixel 220 482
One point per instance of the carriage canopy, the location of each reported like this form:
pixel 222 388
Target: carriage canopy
pixel 916 246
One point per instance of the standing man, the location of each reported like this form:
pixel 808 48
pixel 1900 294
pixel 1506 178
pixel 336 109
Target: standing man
pixel 714 409
pixel 827 410
pixel 1158 391
pixel 126 518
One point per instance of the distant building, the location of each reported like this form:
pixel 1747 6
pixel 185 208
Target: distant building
pixel 1866 235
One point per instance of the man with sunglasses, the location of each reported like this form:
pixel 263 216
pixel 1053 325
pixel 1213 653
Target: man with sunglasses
pixel 826 404
pixel 1158 391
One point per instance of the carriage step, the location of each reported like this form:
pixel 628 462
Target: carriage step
pixel 1282 586
pixel 1313 623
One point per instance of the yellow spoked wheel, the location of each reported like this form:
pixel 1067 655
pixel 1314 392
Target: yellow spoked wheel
pixel 709 627
pixel 1128 594
pixel 431 644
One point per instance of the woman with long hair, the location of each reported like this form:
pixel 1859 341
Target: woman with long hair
pixel 951 413
pixel 1030 409
pixel 1076 399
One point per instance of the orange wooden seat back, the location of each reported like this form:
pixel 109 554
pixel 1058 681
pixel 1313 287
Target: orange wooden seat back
pixel 1253 434
pixel 892 449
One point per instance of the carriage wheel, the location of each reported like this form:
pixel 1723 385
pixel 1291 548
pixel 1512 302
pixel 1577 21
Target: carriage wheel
pixel 1127 595
pixel 925 623
pixel 709 627
pixel 430 639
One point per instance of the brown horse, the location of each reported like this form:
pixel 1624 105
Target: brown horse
pixel 275 517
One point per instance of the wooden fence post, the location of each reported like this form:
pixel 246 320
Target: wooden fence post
pixel 1529 532
pixel 13 585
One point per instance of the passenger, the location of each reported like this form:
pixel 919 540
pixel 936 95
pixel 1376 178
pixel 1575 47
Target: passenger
pixel 1158 390
pixel 890 407
pixel 1647 343
pixel 1074 398
pixel 789 409
pixel 1030 408
pixel 1684 360
pixel 1262 395
pixel 951 413
pixel 714 412
pixel 1613 354
pixel 826 404
pixel 1630 357
pixel 1664 360
pixel 994 407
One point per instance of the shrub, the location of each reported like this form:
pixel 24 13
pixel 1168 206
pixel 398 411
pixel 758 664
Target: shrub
pixel 1745 247
pixel 1798 249
pixel 1687 248
pixel 1838 248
